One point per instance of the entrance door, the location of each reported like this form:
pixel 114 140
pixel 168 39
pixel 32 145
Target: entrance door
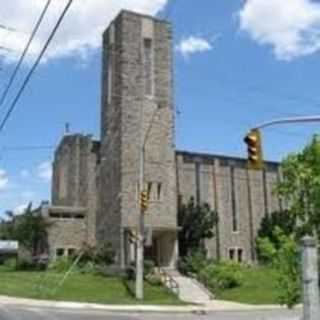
pixel 152 253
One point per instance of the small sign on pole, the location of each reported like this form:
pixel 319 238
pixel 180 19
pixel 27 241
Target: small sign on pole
pixel 148 236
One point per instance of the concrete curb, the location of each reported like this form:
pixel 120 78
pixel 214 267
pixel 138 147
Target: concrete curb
pixel 215 305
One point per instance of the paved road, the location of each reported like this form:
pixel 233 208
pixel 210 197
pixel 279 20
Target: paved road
pixel 32 313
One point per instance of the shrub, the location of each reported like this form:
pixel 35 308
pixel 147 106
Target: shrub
pixel 60 265
pixel 88 267
pixel 266 250
pixel 223 275
pixel 10 263
pixel 105 254
pixel 25 265
pixel 149 266
pixel 193 264
pixel 287 263
pixel 285 259
pixel 102 256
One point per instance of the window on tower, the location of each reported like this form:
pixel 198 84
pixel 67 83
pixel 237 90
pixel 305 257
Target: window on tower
pixel 148 66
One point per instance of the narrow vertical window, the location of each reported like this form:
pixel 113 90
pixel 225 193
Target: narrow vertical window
pixel 265 192
pixel 159 191
pixel 60 252
pixel 109 64
pixel 231 254
pixel 148 66
pixel 149 190
pixel 234 203
pixel 240 255
pixel 109 61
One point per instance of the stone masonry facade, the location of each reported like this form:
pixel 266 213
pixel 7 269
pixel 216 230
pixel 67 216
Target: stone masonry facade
pixel 95 188
pixel 72 212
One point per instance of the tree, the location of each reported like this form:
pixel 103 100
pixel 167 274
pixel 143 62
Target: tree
pixel 285 259
pixel 7 226
pixel 278 219
pixel 300 188
pixel 30 229
pixel 197 222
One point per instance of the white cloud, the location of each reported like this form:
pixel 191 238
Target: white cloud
pixel 291 28
pixel 80 32
pixel 44 171
pixel 4 180
pixel 192 45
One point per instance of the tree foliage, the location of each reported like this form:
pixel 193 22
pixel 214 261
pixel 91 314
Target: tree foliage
pixel 197 222
pixel 300 188
pixel 7 226
pixel 29 229
pixel 278 219
pixel 285 259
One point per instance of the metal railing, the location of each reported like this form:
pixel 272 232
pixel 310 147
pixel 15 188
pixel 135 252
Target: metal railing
pixel 169 281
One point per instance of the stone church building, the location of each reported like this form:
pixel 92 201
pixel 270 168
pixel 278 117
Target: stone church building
pixel 95 187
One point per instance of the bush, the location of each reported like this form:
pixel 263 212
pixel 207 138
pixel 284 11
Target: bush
pixel 149 266
pixel 102 256
pixel 88 267
pixel 60 265
pixel 284 257
pixel 26 265
pixel 10 263
pixel 223 275
pixel 105 255
pixel 266 250
pixel 193 264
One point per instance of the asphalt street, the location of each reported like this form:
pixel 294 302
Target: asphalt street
pixel 33 313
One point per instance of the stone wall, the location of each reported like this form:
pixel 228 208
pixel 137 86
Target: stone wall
pixel 66 234
pixel 240 196
pixel 74 177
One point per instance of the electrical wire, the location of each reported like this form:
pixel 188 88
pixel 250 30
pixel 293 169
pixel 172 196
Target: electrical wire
pixel 24 53
pixel 28 77
pixel 7 28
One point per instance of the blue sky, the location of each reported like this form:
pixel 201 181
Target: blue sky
pixel 237 64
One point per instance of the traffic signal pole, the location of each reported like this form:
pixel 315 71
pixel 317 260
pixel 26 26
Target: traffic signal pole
pixel 140 223
pixel 309 255
pixel 288 121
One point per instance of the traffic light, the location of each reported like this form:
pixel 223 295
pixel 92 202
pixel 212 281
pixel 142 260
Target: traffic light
pixel 144 201
pixel 255 156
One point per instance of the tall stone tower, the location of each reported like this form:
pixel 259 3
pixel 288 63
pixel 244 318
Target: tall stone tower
pixel 137 110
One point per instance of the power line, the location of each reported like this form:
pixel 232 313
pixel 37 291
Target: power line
pixel 7 28
pixel 24 53
pixel 27 79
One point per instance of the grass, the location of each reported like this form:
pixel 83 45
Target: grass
pixel 258 287
pixel 80 288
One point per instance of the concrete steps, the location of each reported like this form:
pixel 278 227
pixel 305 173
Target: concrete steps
pixel 190 290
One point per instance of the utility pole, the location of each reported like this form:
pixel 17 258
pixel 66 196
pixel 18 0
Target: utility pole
pixel 140 224
pixel 310 279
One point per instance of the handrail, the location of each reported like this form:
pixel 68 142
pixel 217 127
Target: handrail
pixel 169 281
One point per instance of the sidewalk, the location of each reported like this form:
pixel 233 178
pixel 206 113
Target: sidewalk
pixel 214 305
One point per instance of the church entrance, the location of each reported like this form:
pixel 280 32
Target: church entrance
pixel 162 250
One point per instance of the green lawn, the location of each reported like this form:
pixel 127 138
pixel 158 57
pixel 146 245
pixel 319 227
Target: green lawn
pixel 80 288
pixel 259 287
